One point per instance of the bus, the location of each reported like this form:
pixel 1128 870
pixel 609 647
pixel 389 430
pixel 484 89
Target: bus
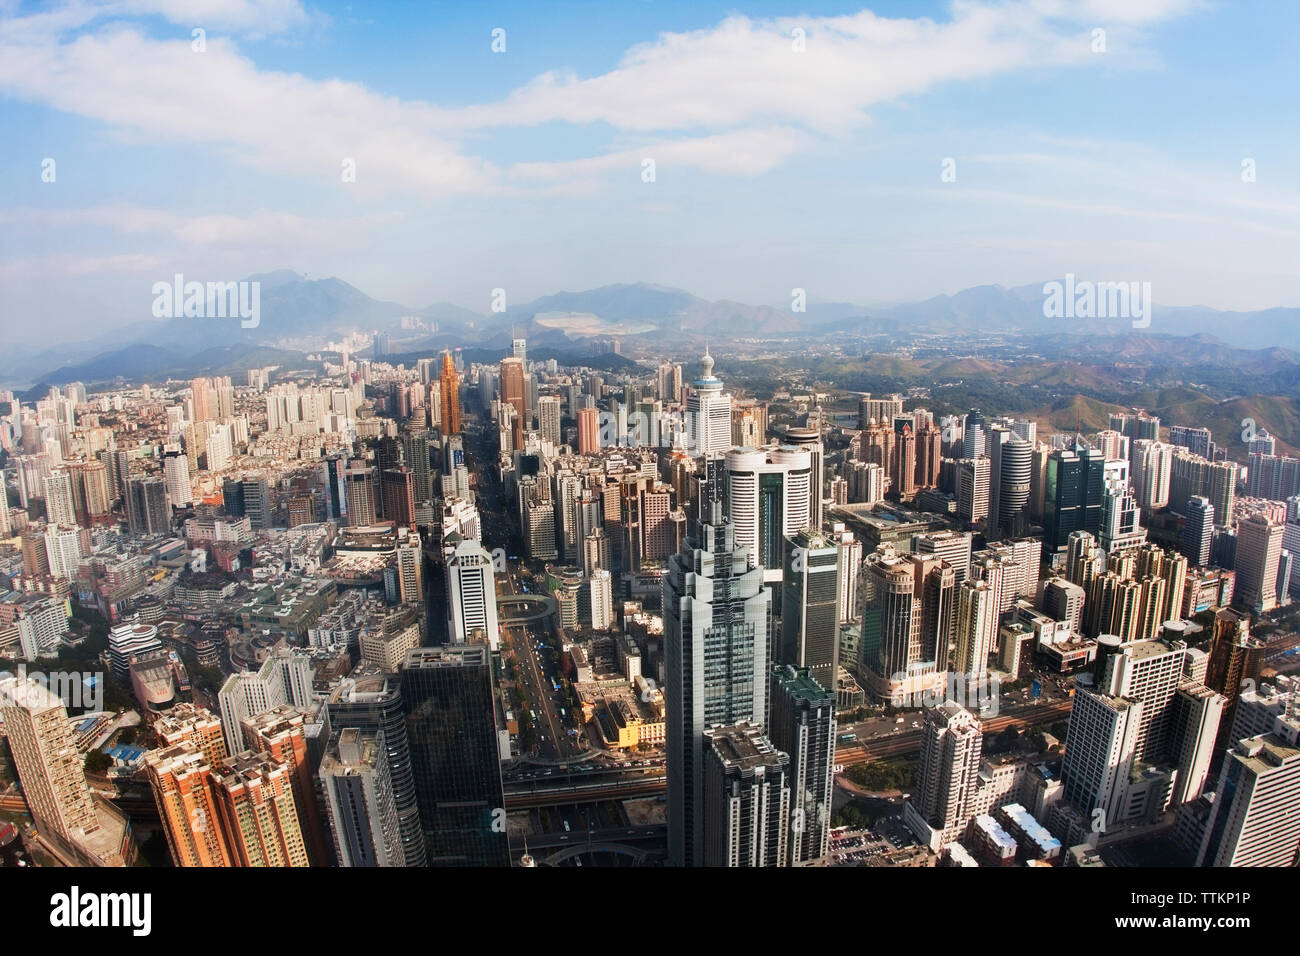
pixel 848 738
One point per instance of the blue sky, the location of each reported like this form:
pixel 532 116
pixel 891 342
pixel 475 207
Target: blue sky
pixel 774 168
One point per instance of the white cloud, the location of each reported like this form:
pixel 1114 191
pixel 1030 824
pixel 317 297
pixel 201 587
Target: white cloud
pixel 734 89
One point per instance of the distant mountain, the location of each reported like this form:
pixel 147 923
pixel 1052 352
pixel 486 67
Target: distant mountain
pixel 302 314
pixel 636 301
pixel 141 362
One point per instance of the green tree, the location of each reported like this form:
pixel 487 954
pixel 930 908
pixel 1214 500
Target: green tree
pixel 97 762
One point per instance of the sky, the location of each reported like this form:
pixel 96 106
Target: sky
pixel 869 154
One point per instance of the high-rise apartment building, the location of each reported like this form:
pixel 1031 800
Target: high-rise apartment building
pixel 947 777
pixel 254 797
pixel 1254 821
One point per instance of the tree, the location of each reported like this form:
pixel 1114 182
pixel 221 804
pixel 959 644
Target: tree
pixel 97 762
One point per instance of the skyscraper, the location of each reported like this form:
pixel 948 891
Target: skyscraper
pixel 359 800
pixel 513 393
pixel 1198 531
pixel 588 431
pixel 948 774
pixel 803 726
pixel 471 595
pixel 810 606
pixel 254 797
pixel 451 725
pixel 747 799
pixel 810 439
pixel 372 703
pixel 767 500
pixel 717 645
pixel 1259 548
pixel 281 733
pixel 1254 821
pixel 181 778
pixel 449 396
pixel 708 413
pixel 1075 483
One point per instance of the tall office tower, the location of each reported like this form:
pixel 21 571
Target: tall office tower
pixel 1151 672
pixel 257 503
pixel 746 799
pixel 717 645
pixel 588 431
pixel 929 452
pixel 810 606
pixel 767 500
pixel 449 396
pixel 548 419
pixel 902 478
pixel 398 489
pixel 972 441
pixel 810 439
pixel 362 497
pixel 803 726
pixel 1272 477
pixel 906 624
pixel 358 797
pixel 668 382
pixel 51 770
pixel 1120 529
pixel 849 559
pixel 973 489
pixel 878 409
pixel 519 350
pixel 1099 752
pixel 1011 460
pixel 1197 714
pixel 1254 820
pixel 281 732
pixel 953 546
pixel 708 413
pixel 1259 548
pixel 372 703
pixel 1198 531
pixel 513 393
pixel 1153 464
pixel 1075 482
pixel 877 446
pixel 180 775
pixel 176 470
pixel 451 725
pixel 539 530
pixel 1196 440
pixel 59 508
pixel 947 777
pixel 977 627
pixel 472 596
pixel 1235 657
pixel 255 806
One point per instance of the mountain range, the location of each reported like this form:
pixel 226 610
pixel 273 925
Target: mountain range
pixel 299 315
